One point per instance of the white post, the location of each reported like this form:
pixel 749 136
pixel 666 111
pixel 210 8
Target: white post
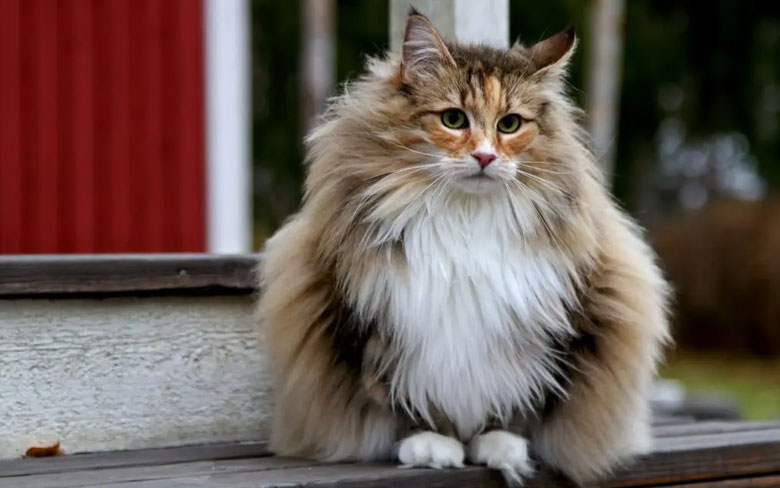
pixel 604 81
pixel 228 175
pixel 471 21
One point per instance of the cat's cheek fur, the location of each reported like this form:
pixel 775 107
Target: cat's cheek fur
pixel 454 142
pixel 517 144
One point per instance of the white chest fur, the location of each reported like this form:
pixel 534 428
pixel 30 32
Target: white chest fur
pixel 473 313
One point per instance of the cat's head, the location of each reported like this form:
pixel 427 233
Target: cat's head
pixel 440 119
pixel 478 112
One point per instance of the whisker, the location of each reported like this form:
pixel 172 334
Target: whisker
pixel 398 144
pixel 538 200
pixel 535 165
pixel 515 214
pixel 440 191
pixel 548 228
pixel 383 138
pixel 435 181
pixel 549 185
pixel 550 171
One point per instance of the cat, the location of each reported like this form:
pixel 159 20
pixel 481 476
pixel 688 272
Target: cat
pixel 458 284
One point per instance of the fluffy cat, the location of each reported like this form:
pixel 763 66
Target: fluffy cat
pixel 458 284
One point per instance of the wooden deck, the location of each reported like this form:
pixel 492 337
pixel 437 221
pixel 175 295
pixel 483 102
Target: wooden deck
pixel 191 315
pixel 704 454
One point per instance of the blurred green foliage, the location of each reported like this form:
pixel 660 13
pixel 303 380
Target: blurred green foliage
pixel 754 383
pixel 719 60
pixel 276 135
pixel 723 55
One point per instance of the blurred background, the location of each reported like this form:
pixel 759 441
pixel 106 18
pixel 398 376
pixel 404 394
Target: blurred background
pixel 176 125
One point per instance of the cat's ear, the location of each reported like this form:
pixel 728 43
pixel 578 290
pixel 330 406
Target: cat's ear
pixel 552 55
pixel 423 49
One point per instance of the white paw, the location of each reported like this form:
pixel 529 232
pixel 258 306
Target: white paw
pixel 502 450
pixel 431 450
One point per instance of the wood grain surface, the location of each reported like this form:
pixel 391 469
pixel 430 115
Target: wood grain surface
pixel 126 274
pixel 711 454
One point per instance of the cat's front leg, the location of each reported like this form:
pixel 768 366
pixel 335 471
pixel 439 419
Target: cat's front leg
pixel 502 450
pixel 431 450
pixel 603 421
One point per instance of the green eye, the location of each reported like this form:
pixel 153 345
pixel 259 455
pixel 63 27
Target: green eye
pixel 509 124
pixel 454 119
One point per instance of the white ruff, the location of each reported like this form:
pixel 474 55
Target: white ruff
pixel 474 310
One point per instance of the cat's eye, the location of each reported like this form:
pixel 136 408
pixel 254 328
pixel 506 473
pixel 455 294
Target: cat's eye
pixel 454 119
pixel 509 123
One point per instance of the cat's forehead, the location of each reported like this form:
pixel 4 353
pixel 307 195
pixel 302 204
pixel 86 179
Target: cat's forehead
pixel 490 61
pixel 484 79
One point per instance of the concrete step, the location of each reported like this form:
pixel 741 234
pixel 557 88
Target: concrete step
pixel 128 352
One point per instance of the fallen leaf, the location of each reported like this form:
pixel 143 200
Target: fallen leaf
pixel 45 451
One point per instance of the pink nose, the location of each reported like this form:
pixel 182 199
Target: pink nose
pixel 483 158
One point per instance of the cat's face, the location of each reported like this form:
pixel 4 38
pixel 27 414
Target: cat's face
pixel 476 111
pixel 479 130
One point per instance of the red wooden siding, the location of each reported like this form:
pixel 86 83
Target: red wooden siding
pixel 101 126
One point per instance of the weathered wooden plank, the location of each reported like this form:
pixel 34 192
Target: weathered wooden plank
pixel 341 475
pixel 127 274
pixel 129 373
pixel 772 481
pixel 696 458
pixel 170 471
pixel 212 452
pixel 672 420
pixel 132 458
pixel 702 457
pixel 700 428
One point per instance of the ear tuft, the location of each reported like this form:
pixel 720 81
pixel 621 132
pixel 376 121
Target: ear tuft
pixel 423 49
pixel 555 50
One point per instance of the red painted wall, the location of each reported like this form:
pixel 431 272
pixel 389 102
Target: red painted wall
pixel 101 126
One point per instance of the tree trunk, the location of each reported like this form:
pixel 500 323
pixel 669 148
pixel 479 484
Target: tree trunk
pixel 604 79
pixel 318 59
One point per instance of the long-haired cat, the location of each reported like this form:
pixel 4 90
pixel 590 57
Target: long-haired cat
pixel 458 284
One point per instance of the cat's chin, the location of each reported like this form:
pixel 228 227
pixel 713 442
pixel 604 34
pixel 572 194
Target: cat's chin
pixel 476 184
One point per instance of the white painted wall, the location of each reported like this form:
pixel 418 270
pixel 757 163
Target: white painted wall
pixel 473 21
pixel 126 373
pixel 228 175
